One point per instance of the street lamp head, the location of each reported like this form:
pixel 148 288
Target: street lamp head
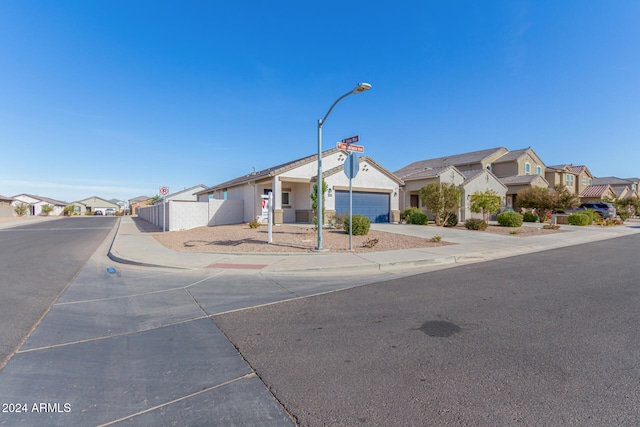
pixel 362 87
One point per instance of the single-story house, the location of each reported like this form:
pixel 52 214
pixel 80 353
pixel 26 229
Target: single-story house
pixel 6 210
pixel 93 204
pixel 375 190
pixel 37 202
pixel 186 195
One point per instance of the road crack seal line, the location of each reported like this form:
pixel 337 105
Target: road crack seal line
pixel 180 399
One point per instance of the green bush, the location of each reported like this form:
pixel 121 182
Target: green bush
pixel 418 217
pixel 452 221
pixel 476 224
pixel 593 215
pixel 510 219
pixel 405 214
pixel 254 224
pixel 360 225
pixel 529 217
pixel 579 219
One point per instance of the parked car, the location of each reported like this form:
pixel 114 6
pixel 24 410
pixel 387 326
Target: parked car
pixel 97 213
pixel 110 211
pixel 605 210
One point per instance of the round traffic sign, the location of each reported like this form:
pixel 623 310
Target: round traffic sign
pixel 164 191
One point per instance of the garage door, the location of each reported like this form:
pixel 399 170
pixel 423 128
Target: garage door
pixel 374 206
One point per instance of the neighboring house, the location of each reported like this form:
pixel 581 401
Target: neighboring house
pixel 37 202
pixel 78 208
pixel 517 183
pixel 597 193
pixel 562 175
pixel 518 162
pixel 186 195
pixel 6 209
pixel 516 170
pixel 417 175
pixel 138 202
pixel 375 190
pixel 95 203
pixel 122 205
pixel 624 188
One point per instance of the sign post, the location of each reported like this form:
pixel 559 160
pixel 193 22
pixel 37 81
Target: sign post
pixel 164 191
pixel 351 168
pixel 267 204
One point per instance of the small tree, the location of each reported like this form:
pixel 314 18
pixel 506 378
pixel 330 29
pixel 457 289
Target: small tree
pixel 545 200
pixel 21 209
pixel 69 210
pixel 487 203
pixel 624 207
pixel 442 199
pixel 47 209
pixel 314 201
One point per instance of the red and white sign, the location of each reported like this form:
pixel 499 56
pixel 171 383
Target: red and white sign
pixel 350 147
pixel 164 191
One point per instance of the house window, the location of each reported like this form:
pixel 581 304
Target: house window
pixel 538 170
pixel 527 169
pixel 584 180
pixel 286 198
pixel 589 181
pixel 224 195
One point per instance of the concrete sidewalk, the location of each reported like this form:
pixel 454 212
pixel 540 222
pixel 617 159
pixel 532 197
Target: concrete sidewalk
pixel 133 246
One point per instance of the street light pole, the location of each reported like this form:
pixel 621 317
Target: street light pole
pixel 362 87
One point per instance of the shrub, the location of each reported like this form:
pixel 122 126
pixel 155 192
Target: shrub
pixel 369 243
pixel 476 224
pixel 254 224
pixel 360 225
pixel 510 219
pixel 579 219
pixel 436 238
pixel 418 217
pixel 452 221
pixel 529 217
pixel 405 214
pixel 593 215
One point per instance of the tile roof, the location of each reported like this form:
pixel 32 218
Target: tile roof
pixel 455 160
pixel 611 180
pixel 596 190
pixel 520 179
pixel 44 199
pixel 275 170
pixel 422 173
pixel 512 155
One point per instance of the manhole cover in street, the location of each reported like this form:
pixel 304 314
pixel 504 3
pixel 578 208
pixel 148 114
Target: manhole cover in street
pixel 439 328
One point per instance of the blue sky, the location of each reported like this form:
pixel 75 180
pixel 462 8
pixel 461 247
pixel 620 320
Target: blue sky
pixel 117 98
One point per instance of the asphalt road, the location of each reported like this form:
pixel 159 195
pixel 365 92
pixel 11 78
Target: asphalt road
pixel 37 262
pixel 550 338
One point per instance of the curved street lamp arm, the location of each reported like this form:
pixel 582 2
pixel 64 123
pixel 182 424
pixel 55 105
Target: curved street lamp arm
pixel 334 104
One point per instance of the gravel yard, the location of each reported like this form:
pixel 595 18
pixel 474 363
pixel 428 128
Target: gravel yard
pixel 286 238
pixel 303 238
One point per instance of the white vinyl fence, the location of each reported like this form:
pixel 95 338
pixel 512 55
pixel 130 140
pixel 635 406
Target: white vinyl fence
pixel 180 215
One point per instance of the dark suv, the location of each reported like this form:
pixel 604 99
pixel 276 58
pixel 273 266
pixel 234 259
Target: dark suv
pixel 605 210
